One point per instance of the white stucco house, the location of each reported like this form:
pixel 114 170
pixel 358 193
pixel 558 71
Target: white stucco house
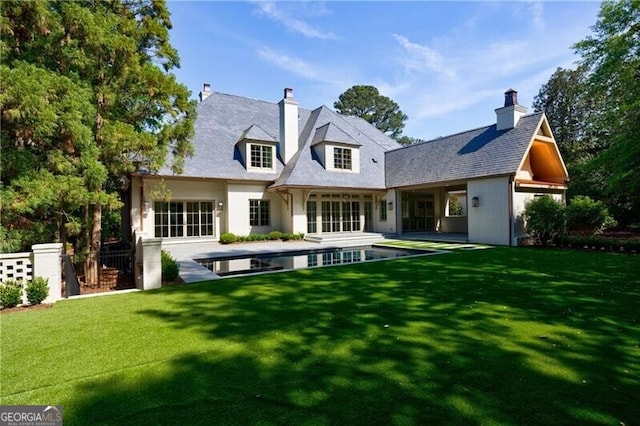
pixel 262 166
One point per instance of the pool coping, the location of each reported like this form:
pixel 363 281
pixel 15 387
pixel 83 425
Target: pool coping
pixel 191 271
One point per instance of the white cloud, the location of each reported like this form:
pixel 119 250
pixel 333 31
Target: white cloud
pixel 316 72
pixel 537 14
pixel 274 12
pixel 419 58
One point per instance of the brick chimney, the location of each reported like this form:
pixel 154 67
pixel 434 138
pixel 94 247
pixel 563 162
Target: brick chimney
pixel 288 126
pixel 509 115
pixel 206 92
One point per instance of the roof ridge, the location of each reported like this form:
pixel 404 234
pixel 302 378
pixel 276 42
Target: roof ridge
pixel 247 98
pixel 463 132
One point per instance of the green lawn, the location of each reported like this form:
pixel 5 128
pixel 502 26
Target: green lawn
pixel 498 336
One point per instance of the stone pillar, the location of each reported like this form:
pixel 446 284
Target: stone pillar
pixel 151 263
pixel 138 261
pixel 48 265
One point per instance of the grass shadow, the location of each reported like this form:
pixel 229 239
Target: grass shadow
pixel 501 336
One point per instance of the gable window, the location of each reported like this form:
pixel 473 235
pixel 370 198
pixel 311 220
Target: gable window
pixel 261 156
pixel 342 158
pixel 259 212
pixel 183 218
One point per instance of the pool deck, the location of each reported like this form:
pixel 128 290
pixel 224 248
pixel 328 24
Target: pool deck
pixel 191 271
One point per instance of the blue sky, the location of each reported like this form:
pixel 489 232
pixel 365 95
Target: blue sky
pixel 446 64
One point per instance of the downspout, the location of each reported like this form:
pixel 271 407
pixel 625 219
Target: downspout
pixel 510 203
pixel 141 207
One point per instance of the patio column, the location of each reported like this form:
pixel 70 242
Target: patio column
pixel 148 268
pixel 47 264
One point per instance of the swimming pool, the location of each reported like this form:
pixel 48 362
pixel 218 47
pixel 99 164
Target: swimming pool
pixel 265 262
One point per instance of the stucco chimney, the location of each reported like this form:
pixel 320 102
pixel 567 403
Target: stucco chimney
pixel 288 125
pixel 509 115
pixel 206 92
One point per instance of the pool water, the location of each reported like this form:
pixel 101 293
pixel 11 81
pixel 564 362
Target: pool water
pixel 265 262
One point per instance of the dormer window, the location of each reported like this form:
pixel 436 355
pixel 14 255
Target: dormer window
pixel 342 158
pixel 336 150
pixel 257 150
pixel 261 156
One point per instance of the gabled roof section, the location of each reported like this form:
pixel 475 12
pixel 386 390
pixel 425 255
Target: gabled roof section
pixel 542 163
pixel 257 133
pixel 473 154
pixel 305 169
pixel 222 119
pixel 332 134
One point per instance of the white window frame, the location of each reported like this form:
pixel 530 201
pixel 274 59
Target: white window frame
pixel 175 223
pixel 256 219
pixel 262 166
pixel 339 157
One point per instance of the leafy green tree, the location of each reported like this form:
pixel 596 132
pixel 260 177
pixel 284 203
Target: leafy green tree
pixel 367 103
pixel 408 140
pixel 612 56
pixel 87 97
pixel 571 113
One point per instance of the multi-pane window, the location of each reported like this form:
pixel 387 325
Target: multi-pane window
pixel 342 158
pixel 262 156
pixel 183 218
pixel 383 210
pixel 259 212
pixel 312 217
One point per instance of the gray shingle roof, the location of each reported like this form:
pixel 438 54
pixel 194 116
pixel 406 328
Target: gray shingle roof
pixel 224 120
pixel 472 154
pixel 332 133
pixel 305 169
pixel 257 133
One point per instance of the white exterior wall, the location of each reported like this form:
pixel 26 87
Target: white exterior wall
pixel 237 209
pixel 329 158
pixel 181 190
pixel 390 225
pixel 297 222
pixel 489 222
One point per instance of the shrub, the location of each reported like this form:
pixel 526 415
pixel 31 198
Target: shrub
pixel 10 294
pixel 586 216
pixel 275 235
pixel 544 220
pixel 170 268
pixel 599 242
pixel 228 238
pixel 288 236
pixel 37 290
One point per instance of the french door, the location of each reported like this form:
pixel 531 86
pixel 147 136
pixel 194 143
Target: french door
pixel 417 212
pixel 340 216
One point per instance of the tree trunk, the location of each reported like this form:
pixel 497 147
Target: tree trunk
pixel 62 231
pixel 91 264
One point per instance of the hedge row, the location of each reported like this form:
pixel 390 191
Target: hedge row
pixel 599 242
pixel 230 237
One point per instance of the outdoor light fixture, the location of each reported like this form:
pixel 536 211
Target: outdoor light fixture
pixel 220 206
pixel 475 202
pixel 390 205
pixel 146 207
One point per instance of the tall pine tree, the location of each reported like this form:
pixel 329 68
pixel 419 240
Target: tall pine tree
pixel 87 98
